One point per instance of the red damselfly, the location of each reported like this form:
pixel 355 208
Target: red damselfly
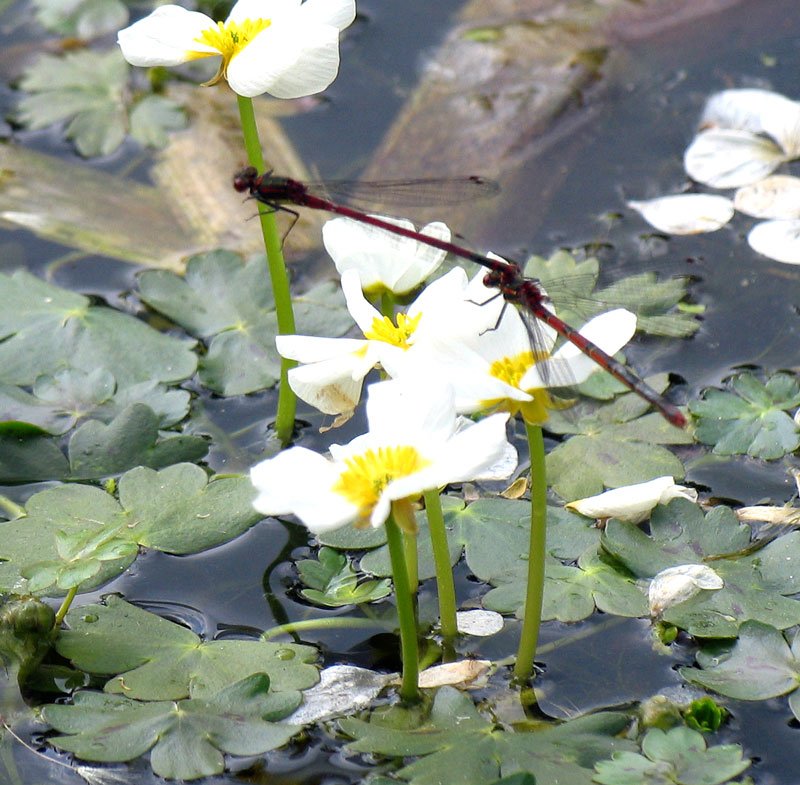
pixel 505 276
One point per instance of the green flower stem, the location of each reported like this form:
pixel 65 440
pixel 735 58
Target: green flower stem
pixel 330 623
pixel 412 560
pixel 409 687
pixel 441 560
pixel 65 605
pixel 287 402
pixel 12 508
pixel 536 553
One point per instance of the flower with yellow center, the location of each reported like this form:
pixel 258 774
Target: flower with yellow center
pixel 415 443
pixel 280 47
pixel 499 371
pixel 333 369
pixel 385 263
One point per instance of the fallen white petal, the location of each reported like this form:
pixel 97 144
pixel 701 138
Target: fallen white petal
pixel 342 689
pixel 685 213
pixel 462 673
pixel 677 584
pixel 779 516
pixel 779 240
pixel 728 159
pixel 777 196
pixel 632 503
pixel 757 111
pixel 479 623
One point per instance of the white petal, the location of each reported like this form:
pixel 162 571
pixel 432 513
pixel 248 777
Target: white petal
pixel 329 386
pixel 685 213
pixel 263 9
pixel 299 481
pixel 461 673
pixel 779 240
pixel 479 623
pixel 777 196
pixel 609 331
pixel 728 159
pixel 311 348
pixel 632 503
pixel 757 111
pixel 288 60
pixel 339 13
pixel 677 584
pixel 363 312
pixel 165 37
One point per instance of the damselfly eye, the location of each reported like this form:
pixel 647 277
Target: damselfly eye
pixel 244 179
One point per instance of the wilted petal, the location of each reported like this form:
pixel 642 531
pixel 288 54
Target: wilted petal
pixel 287 60
pixel 685 213
pixel 777 196
pixel 329 386
pixel 677 584
pixel 728 159
pixel 779 240
pixel 166 37
pixel 632 503
pixel 756 111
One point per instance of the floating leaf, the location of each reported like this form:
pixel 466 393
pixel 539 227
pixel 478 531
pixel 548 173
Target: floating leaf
pixel 81 18
pixel 152 117
pixel 757 582
pixel 454 737
pixel 679 756
pixel 725 158
pixel 751 419
pixel 332 581
pixel 80 536
pixel 187 738
pixel 47 329
pixel 160 660
pixel 778 240
pixel 777 196
pixel 759 665
pixel 228 301
pixel 685 213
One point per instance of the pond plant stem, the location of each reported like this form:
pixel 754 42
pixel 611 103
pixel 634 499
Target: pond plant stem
pixel 287 401
pixel 441 559
pixel 65 605
pixel 529 636
pixel 409 687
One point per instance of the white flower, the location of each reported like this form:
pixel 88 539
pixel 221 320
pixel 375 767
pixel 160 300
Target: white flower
pixel 267 46
pixel 415 443
pixel 334 368
pixel 497 369
pixel 677 584
pixel 384 262
pixel 632 503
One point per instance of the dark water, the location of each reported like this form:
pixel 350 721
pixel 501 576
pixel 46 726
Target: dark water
pixel 641 118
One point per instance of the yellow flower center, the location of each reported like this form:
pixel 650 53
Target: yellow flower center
pixel 511 370
pixel 229 38
pixel 383 329
pixel 366 475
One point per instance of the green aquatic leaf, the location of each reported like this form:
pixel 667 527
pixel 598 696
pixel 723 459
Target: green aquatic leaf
pixel 752 419
pixel 678 756
pixel 187 738
pixel 28 454
pixel 80 536
pixel 152 117
pixel 45 329
pixel 758 665
pixel 332 582
pixel 755 585
pixel 462 747
pixel 611 445
pixel 572 286
pixel 81 18
pixel 157 659
pixel 228 303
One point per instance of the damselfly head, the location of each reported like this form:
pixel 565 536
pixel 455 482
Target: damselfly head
pixel 245 179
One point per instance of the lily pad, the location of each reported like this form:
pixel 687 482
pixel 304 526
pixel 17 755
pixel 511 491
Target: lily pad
pixel 332 582
pixel 759 665
pixel 755 585
pixel 187 738
pixel 47 329
pixel 160 660
pixel 80 536
pixel 454 737
pixel 84 19
pixel 679 755
pixel 751 419
pixel 228 302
